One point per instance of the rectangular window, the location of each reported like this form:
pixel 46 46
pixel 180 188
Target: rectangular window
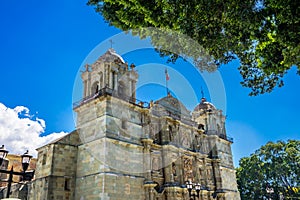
pixel 124 124
pixel 44 159
pixel 67 184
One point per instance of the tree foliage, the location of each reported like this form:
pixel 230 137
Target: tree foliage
pixel 275 165
pixel 263 34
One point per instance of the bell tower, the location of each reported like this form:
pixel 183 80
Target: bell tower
pixel 210 118
pixel 212 122
pixel 110 72
pixel 110 158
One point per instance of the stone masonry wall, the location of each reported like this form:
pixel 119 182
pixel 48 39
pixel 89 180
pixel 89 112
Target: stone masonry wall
pixel 110 187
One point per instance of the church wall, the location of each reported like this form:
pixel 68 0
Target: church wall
pixel 44 162
pixel 55 172
pixel 210 178
pixel 224 153
pixel 39 189
pixel 90 111
pixel 123 120
pixel 91 158
pixel 110 186
pixel 228 178
pixel 111 117
pixel 94 129
pixel 109 155
pixel 117 164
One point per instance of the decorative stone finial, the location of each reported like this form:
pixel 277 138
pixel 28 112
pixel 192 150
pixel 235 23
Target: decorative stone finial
pixel 86 67
pixel 132 66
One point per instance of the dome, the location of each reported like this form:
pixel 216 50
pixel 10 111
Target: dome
pixel 204 105
pixel 111 56
pixel 171 105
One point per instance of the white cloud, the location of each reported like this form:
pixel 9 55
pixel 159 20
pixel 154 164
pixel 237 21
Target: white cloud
pixel 20 131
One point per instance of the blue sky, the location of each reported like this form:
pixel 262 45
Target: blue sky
pixel 44 44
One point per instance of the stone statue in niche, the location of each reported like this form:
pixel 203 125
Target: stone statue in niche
pixel 188 169
pixel 174 169
pixel 155 163
pixel 197 143
pixel 152 133
pixel 174 172
pixel 185 140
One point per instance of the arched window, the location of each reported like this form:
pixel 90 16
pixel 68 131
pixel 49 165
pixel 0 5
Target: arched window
pixel 201 126
pixel 113 80
pixel 95 87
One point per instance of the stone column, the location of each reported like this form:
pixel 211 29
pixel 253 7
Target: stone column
pixel 149 190
pixel 205 175
pixel 167 167
pixel 89 85
pixel 86 78
pixel 147 158
pixel 115 81
pixel 111 79
pixel 106 75
pixel 133 93
pixel 209 122
pixel 129 92
pixel 216 169
pixel 85 89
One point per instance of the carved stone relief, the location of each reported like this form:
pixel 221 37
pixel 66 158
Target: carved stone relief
pixel 185 140
pixel 188 169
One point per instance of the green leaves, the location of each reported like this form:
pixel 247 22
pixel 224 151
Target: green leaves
pixel 263 34
pixel 276 164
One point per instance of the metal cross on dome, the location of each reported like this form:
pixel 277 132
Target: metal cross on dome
pixel 202 93
pixel 111 43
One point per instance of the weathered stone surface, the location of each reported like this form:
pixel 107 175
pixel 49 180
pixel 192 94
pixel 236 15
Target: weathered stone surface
pixel 123 149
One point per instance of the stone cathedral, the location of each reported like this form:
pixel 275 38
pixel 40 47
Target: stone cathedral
pixel 124 148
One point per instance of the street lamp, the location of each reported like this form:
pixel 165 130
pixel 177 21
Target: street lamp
pixel 3 154
pixel 192 187
pixel 25 163
pixel 25 160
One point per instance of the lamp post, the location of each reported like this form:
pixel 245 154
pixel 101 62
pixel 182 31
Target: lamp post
pixel 3 154
pixel 25 158
pixel 194 190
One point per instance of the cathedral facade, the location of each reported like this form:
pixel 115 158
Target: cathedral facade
pixel 123 148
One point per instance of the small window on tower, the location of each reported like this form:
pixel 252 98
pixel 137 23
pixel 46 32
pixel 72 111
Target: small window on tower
pixel 67 184
pixel 95 87
pixel 124 124
pixel 201 126
pixel 44 159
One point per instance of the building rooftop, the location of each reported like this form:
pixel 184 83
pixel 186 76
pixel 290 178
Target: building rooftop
pixel 205 105
pixel 110 56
